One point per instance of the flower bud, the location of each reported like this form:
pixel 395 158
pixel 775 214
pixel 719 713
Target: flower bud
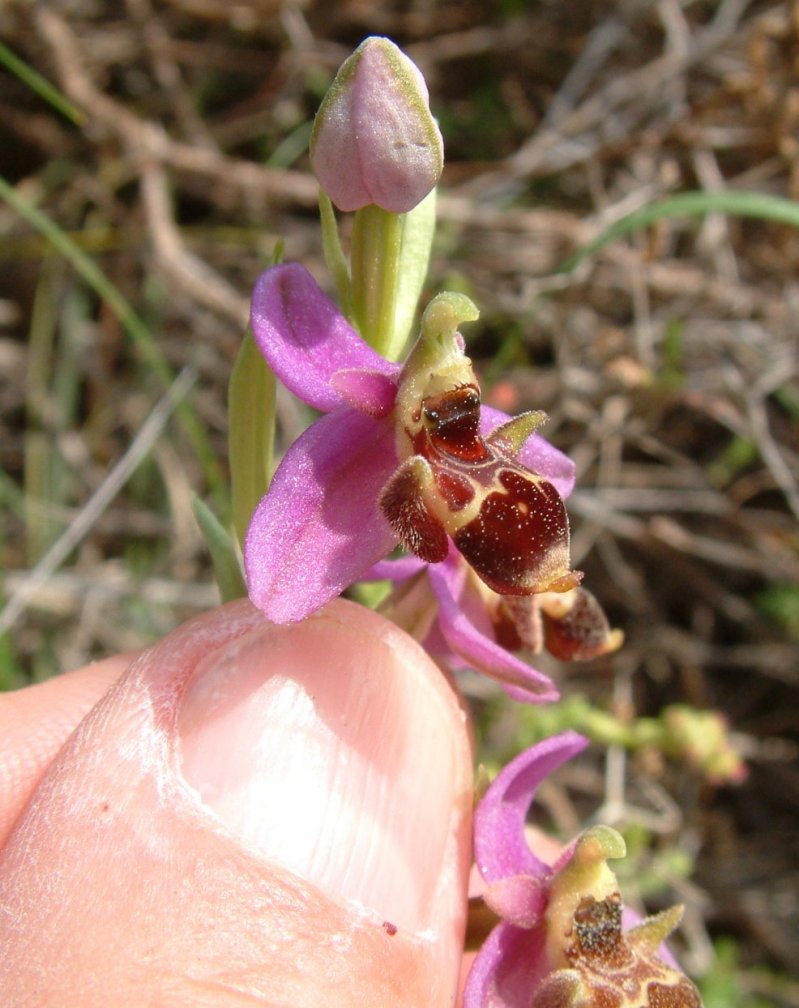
pixel 374 139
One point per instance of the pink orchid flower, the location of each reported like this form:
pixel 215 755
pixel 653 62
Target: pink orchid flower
pixel 401 454
pixel 560 942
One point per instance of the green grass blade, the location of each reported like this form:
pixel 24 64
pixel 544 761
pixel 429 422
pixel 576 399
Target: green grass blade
pixel 691 204
pixel 40 85
pixel 134 327
pixel 224 557
pixel 42 466
pixel 251 432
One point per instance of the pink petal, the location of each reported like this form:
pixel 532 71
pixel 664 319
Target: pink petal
pixel 304 337
pixel 507 969
pixel 473 643
pixel 368 392
pixel 537 454
pixel 319 527
pixel 518 899
pixel 394 570
pixel 500 848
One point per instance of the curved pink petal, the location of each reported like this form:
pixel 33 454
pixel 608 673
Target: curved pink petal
pixel 368 392
pixel 305 338
pixel 519 899
pixel 500 848
pixel 507 969
pixel 537 453
pixel 473 643
pixel 319 526
pixel 394 570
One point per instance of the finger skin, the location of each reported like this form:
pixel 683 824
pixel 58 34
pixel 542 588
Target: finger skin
pixel 118 886
pixel 36 721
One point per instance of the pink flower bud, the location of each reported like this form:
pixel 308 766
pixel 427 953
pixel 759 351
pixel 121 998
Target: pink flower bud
pixel 374 138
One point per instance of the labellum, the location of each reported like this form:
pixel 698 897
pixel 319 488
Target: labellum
pixel 509 523
pixel 609 967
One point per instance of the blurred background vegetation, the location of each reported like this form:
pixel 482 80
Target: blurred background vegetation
pixel 153 157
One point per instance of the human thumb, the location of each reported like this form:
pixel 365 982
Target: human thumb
pixel 253 814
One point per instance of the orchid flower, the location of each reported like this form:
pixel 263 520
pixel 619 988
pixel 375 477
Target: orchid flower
pixel 465 624
pixel 560 941
pixel 402 454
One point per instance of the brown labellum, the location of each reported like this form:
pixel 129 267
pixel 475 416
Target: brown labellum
pixel 519 540
pixel 611 969
pixel 509 523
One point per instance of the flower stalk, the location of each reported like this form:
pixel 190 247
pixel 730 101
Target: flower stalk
pixel 376 250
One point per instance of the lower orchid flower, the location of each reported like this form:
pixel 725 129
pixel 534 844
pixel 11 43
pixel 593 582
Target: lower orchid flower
pixel 403 454
pixel 560 942
pixel 467 625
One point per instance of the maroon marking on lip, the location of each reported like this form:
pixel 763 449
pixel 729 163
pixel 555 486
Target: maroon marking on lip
pixel 518 537
pixel 456 490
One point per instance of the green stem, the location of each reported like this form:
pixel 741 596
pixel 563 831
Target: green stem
pixel 334 255
pixel 251 433
pixel 376 249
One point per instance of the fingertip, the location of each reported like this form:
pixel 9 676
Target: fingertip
pixel 156 826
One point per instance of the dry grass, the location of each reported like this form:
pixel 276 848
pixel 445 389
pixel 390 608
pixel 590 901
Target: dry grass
pixel 667 361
